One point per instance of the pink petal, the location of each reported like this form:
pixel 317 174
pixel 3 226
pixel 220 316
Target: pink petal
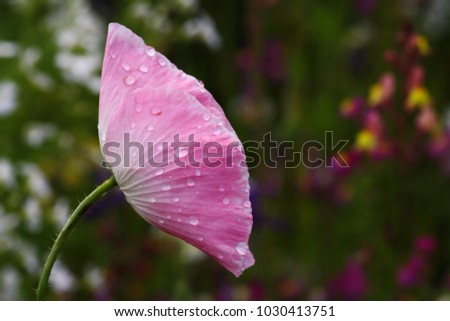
pixel 206 206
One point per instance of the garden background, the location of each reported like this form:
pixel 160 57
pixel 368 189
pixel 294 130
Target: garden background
pixel 373 72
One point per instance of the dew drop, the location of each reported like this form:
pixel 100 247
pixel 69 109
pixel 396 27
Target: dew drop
pixel 216 131
pixel 168 216
pixel 150 51
pixel 176 199
pixel 183 151
pixel 193 220
pixel 152 199
pixel 247 204
pixel 143 68
pixel 159 171
pixel 245 175
pixel 242 248
pixel 200 238
pixel 226 201
pixel 138 108
pixel 161 62
pixel 126 67
pixel 160 221
pixel 179 211
pixel 166 187
pixel 150 128
pixel 221 188
pixel 132 124
pixel 113 55
pixel 178 219
pixel 129 80
pixel 190 182
pixel 156 111
pixel 220 255
pixel 199 126
pixel 198 172
pixel 206 117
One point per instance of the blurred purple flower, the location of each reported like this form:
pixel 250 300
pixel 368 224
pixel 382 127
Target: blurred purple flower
pixel 272 62
pixel 365 7
pixel 410 273
pixel 350 283
pixel 425 244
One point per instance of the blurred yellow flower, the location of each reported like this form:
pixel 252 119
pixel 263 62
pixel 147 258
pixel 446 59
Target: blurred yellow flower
pixel 366 140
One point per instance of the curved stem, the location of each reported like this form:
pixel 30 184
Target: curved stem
pixel 107 185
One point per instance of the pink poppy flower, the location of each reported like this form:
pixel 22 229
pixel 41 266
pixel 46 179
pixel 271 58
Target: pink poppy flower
pixel 148 103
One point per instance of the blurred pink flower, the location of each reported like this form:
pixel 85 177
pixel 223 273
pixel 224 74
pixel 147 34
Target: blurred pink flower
pixel 425 244
pixel 145 96
pixel 350 283
pixel 410 273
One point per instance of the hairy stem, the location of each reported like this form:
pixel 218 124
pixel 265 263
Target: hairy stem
pixel 101 190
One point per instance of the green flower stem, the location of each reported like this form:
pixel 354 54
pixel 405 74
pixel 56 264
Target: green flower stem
pixel 101 190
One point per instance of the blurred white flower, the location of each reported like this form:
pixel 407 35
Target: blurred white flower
pixel 36 180
pixel 7 173
pixel 32 211
pixel 8 49
pixel 62 280
pixel 8 97
pixel 79 37
pixel 204 28
pixel 61 212
pixel 37 133
pixel 10 282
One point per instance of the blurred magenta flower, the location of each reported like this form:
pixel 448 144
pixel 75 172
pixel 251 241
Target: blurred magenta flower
pixel 145 96
pixel 350 284
pixel 425 244
pixel 410 273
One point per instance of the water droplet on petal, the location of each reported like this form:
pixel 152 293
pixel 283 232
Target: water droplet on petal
pixel 160 221
pixel 242 248
pixel 176 199
pixel 143 68
pixel 129 80
pixel 152 199
pixel 216 131
pixel 166 187
pixel 150 51
pixel 200 238
pixel 150 128
pixel 126 67
pixel 199 126
pixel 159 171
pixel 220 255
pixel 206 117
pixel 221 188
pixel 138 108
pixel 183 151
pixel 190 182
pixel 247 204
pixel 132 124
pixel 161 62
pixel 193 220
pixel 245 175
pixel 178 219
pixel 156 111
pixel 168 216
pixel 113 55
pixel 198 172
pixel 226 201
